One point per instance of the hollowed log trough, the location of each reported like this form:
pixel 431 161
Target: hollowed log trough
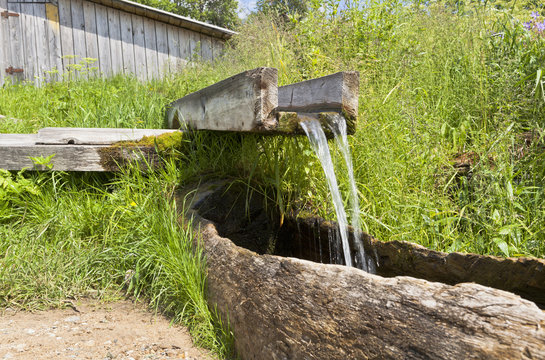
pixel 289 308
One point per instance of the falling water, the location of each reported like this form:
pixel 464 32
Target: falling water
pixel 338 127
pixel 318 141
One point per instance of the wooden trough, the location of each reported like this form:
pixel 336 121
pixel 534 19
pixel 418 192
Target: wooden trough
pixel 287 308
pixel 248 102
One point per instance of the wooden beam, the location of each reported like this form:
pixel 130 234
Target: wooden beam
pixel 77 157
pixel 244 102
pixel 337 92
pixel 92 136
pixel 17 139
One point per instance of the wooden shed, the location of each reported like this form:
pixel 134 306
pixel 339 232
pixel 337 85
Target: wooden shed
pixel 44 40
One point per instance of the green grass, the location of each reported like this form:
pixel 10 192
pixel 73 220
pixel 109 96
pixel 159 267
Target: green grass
pixel 436 83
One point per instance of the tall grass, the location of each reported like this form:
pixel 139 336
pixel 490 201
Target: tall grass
pixel 438 84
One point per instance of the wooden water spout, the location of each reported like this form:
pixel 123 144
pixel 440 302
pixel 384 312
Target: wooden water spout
pixel 252 102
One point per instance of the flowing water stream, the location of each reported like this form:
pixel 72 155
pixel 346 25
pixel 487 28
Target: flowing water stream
pixel 338 127
pixel 319 144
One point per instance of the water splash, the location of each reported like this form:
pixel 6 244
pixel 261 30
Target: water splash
pixel 338 128
pixel 318 141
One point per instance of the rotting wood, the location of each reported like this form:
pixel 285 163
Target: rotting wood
pixel 289 308
pixel 337 92
pixel 244 102
pixel 93 136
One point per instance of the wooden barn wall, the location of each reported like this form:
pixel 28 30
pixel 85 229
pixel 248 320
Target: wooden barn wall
pixel 81 38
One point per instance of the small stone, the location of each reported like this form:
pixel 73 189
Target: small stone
pixel 8 356
pixel 90 343
pixel 72 319
pixel 30 331
pixel 20 347
pixel 107 342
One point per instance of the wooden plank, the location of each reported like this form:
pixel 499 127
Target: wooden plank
pixel 4 50
pixel 244 102
pixel 162 48
pixel 114 28
pixel 77 157
pixel 29 40
pixel 15 41
pixel 127 47
pixel 103 37
pixel 206 48
pixel 139 47
pixel 150 41
pixel 54 40
pixel 17 139
pixel 78 33
pixel 337 92
pixel 194 46
pixel 185 50
pixel 91 38
pixel 173 42
pixel 217 48
pixel 42 44
pixel 93 136
pixel 67 42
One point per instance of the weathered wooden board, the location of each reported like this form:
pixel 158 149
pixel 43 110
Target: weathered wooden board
pixel 92 136
pixel 78 32
pixel 103 40
pixel 150 41
pixel 337 92
pixel 15 42
pixel 17 139
pixel 4 50
pixel 42 44
pixel 91 38
pixel 67 42
pixel 127 45
pixel 76 157
pixel 139 47
pixel 244 102
pixel 162 48
pixel 114 30
pixel 54 49
pixel 29 40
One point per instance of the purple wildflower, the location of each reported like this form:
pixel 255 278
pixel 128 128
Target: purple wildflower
pixel 535 14
pixel 540 26
pixel 528 25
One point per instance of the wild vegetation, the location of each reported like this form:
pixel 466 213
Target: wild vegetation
pixel 448 153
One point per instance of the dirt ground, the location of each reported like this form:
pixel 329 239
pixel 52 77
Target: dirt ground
pixel 91 330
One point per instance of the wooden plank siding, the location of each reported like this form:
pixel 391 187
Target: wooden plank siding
pixel 4 50
pixel 52 40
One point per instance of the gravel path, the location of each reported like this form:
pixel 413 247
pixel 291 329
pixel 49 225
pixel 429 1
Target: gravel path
pixel 91 330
